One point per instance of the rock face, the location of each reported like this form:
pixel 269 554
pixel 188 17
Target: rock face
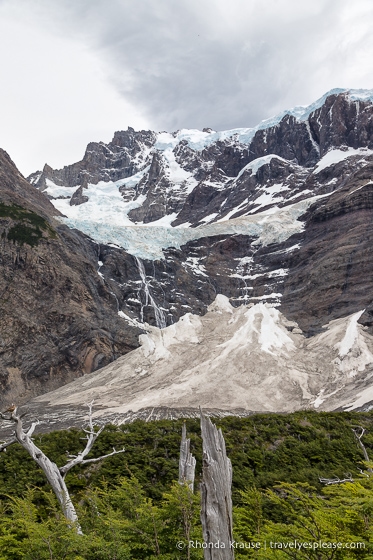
pixel 78 197
pixel 279 214
pixel 58 319
pixel 15 190
pixel 122 157
pixel 330 274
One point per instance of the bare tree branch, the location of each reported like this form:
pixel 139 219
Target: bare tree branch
pixel 358 437
pixel 91 438
pixel 6 444
pixel 31 429
pixel 336 480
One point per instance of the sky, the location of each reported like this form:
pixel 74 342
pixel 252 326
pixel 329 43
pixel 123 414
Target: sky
pixel 74 71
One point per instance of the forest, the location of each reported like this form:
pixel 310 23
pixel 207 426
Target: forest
pixel 131 506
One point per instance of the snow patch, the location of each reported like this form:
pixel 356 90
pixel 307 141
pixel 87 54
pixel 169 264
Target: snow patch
pixel 273 295
pixel 130 320
pixel 221 305
pixel 175 173
pixel 351 335
pixel 262 323
pixel 335 156
pixel 209 218
pixel 156 343
pixel 57 191
pixel 363 397
pixel 196 266
pixel 292 248
pixel 256 164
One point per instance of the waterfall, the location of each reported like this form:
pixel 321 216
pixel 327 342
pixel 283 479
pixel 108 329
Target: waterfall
pixel 149 300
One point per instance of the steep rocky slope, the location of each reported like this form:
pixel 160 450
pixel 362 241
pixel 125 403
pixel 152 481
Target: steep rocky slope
pixel 58 319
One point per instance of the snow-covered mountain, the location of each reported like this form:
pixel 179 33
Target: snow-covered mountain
pixel 277 217
pixel 191 178
pixel 217 212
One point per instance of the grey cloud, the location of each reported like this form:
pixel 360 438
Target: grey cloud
pixel 196 63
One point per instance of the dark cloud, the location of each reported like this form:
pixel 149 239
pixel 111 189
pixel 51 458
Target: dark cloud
pixel 196 63
pixel 92 66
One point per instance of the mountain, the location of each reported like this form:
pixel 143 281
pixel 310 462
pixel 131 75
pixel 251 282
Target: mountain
pixel 240 212
pixel 277 217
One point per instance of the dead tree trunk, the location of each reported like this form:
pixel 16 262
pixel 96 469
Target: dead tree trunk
pixel 50 469
pixel 362 446
pixel 187 462
pixel 56 475
pixel 216 508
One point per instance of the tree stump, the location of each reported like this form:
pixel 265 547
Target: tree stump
pixel 216 496
pixel 187 463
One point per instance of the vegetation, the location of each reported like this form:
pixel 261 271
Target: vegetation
pixel 28 227
pixel 130 506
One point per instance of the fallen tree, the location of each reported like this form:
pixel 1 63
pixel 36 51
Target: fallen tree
pixel 358 432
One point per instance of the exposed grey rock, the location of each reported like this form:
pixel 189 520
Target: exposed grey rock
pixel 102 162
pixel 78 197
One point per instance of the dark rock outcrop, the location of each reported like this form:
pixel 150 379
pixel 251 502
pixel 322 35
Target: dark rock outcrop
pixel 78 197
pixel 101 162
pixel 330 275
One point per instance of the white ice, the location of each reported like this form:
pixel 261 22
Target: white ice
pixel 263 326
pixel 257 163
pixel 175 173
pixel 335 156
pixel 104 219
pixel 56 190
pixel 351 334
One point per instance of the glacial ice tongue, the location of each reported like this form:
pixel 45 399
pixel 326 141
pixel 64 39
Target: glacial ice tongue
pixel 107 222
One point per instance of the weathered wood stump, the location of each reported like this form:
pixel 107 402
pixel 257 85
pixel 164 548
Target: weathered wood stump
pixel 216 496
pixel 187 463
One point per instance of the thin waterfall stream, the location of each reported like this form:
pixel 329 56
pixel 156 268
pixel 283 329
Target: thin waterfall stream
pixel 160 319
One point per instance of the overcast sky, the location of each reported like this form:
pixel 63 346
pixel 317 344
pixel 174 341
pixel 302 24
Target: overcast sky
pixel 74 71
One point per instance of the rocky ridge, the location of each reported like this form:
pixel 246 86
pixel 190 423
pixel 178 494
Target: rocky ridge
pixel 189 180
